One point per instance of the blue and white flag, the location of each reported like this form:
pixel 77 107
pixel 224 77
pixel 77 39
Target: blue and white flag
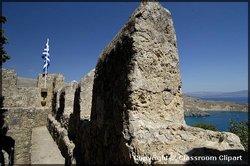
pixel 46 58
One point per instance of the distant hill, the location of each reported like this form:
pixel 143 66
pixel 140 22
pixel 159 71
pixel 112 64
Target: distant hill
pixel 198 107
pixel 243 93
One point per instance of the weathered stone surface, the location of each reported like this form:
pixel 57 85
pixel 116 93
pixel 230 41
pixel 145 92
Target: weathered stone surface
pixel 137 107
pixel 60 135
pixel 8 85
pixel 80 130
pixel 136 87
pixel 85 101
pixel 24 110
pixel 20 123
pixel 44 150
pixel 77 97
pixel 26 82
pixel 64 103
pixel 136 115
pixel 15 96
pixel 53 81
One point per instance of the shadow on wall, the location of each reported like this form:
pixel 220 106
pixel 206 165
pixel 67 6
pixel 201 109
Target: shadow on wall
pixel 7 143
pixel 207 156
pixel 61 106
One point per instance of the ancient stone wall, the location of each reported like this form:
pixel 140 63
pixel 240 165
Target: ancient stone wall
pixel 129 110
pixel 22 110
pixel 53 81
pixel 8 85
pixel 71 112
pixel 136 115
pixel 26 82
pixel 15 96
pixel 20 123
pixel 61 122
pixel 82 113
pixel 137 107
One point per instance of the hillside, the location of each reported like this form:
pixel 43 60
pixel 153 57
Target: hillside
pixel 197 107
pixel 243 93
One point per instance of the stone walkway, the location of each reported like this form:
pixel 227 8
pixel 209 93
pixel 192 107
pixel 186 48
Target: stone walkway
pixel 44 150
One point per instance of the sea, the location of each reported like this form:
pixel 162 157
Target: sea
pixel 221 119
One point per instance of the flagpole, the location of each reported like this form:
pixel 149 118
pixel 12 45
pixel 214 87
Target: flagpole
pixel 46 61
pixel 45 77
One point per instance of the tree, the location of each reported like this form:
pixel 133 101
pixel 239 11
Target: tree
pixel 241 130
pixel 4 55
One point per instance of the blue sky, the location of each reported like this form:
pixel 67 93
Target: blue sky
pixel 212 39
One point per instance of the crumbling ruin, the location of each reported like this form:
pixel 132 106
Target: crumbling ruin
pixel 129 110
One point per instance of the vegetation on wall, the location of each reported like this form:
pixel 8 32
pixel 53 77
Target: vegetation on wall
pixel 4 55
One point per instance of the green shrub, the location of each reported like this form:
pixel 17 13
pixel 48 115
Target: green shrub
pixel 205 126
pixel 241 130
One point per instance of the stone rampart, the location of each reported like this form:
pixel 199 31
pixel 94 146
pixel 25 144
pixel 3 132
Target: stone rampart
pixel 129 110
pixel 22 110
pixel 137 108
pixel 20 123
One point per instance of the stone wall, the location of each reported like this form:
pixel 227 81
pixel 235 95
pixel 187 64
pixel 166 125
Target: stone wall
pixel 53 81
pixel 22 110
pixel 71 112
pixel 15 96
pixel 20 123
pixel 129 110
pixel 137 109
pixel 26 82
pixel 61 122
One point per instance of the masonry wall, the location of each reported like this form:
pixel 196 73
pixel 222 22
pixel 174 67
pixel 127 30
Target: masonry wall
pixel 53 81
pixel 21 121
pixel 136 107
pixel 61 123
pixel 22 110
pixel 15 96
pixel 68 124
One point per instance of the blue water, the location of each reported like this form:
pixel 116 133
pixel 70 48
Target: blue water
pixel 230 99
pixel 221 119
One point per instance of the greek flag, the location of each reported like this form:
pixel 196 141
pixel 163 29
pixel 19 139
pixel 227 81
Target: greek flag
pixel 46 58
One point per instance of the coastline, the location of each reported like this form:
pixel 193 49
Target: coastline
pixel 200 107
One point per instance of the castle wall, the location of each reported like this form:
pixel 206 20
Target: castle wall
pixel 53 81
pixel 70 116
pixel 15 96
pixel 130 107
pixel 20 122
pixel 61 122
pixel 24 109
